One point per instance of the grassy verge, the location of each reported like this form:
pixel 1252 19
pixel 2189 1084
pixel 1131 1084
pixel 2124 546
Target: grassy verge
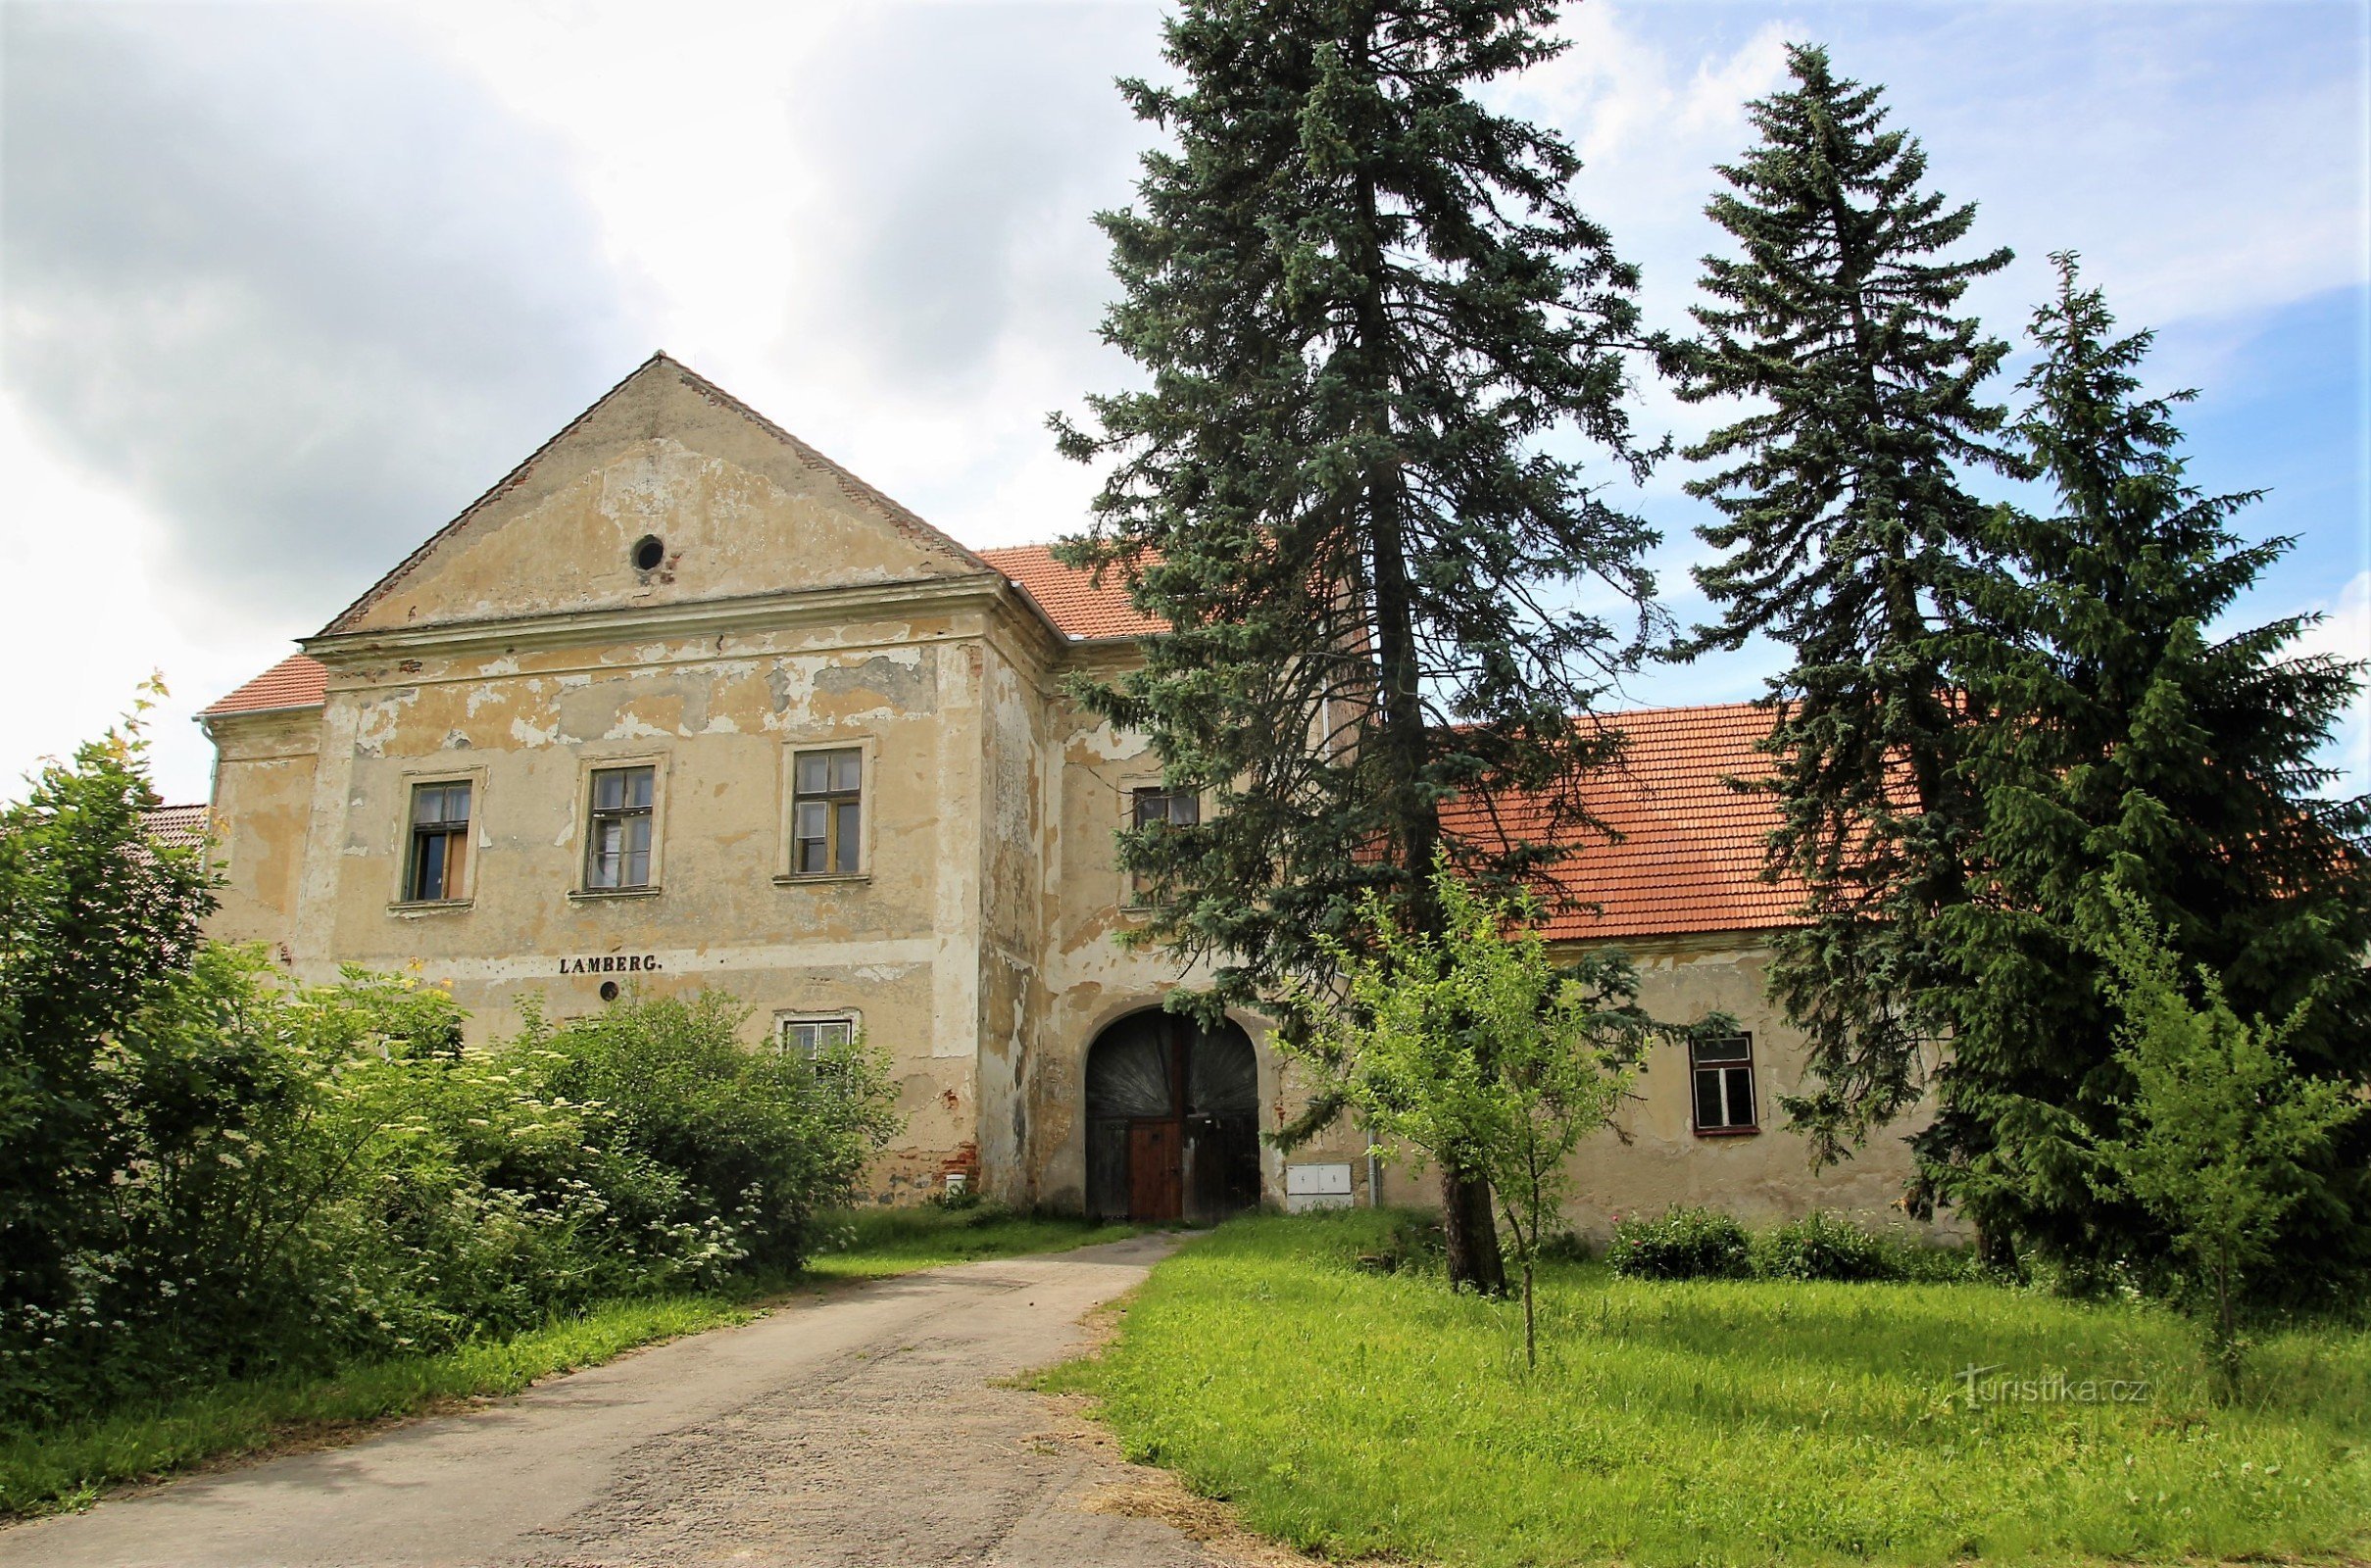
pixel 898 1240
pixel 1348 1412
pixel 67 1465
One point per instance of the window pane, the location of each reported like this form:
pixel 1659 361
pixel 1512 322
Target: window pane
pixel 638 786
pixel 428 866
pixel 1740 1096
pixel 637 869
pixel 1707 1101
pixel 811 816
pixel 1185 809
pixel 815 773
pixel 1727 1048
pixel 849 838
pixel 609 791
pixel 812 860
pixel 637 835
pixel 833 1036
pixel 801 1038
pixel 608 845
pixel 847 768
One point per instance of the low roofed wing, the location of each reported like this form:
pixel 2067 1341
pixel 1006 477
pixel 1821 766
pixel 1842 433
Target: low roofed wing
pixel 176 827
pixel 1081 609
pixel 294 682
pixel 1690 849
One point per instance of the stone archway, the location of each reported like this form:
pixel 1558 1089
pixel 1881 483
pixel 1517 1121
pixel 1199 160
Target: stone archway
pixel 1172 1121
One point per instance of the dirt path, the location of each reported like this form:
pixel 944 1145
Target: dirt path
pixel 861 1429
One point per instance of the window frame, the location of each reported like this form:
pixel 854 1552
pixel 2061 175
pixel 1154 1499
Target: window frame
pixel 589 772
pixel 411 783
pixel 1132 893
pixel 1723 1067
pixel 848 1018
pixel 864 797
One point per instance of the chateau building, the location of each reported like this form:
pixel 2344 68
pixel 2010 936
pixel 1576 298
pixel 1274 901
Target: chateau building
pixel 680 702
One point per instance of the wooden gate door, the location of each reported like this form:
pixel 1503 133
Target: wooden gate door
pixel 1156 1174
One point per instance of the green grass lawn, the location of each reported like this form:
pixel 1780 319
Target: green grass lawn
pixel 1351 1412
pixel 67 1465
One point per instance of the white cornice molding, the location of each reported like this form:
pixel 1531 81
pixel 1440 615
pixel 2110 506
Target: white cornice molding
pixel 708 617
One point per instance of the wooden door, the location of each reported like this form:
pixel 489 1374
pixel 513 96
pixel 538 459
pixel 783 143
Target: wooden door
pixel 1155 1177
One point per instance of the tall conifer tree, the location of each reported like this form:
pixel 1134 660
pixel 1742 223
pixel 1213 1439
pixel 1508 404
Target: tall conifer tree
pixel 1372 318
pixel 2127 738
pixel 1849 539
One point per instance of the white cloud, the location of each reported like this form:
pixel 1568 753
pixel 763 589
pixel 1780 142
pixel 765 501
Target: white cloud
pixel 2346 633
pixel 92 611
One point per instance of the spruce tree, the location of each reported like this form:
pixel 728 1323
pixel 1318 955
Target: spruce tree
pixel 1373 322
pixel 1850 539
pixel 2131 738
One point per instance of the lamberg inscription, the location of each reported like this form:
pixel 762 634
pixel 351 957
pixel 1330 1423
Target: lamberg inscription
pixel 612 963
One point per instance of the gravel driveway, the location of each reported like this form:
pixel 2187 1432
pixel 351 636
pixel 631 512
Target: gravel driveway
pixel 858 1429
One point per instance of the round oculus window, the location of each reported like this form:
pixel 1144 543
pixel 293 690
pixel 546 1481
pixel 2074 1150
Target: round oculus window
pixel 650 553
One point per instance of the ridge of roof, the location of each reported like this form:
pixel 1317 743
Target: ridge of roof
pixel 900 516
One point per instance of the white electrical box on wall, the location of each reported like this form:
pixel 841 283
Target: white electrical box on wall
pixel 1307 1187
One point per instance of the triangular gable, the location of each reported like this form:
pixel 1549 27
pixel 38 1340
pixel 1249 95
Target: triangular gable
pixel 741 506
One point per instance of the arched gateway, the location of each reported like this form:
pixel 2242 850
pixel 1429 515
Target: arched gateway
pixel 1172 1121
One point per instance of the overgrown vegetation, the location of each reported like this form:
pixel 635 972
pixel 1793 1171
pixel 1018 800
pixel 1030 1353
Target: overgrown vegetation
pixel 209 1171
pixel 1474 1052
pixel 2222 1137
pixel 1699 1243
pixel 1349 1411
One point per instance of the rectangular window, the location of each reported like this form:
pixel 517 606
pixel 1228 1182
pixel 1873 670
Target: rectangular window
pixel 1722 1070
pixel 1155 807
pixel 440 843
pixel 618 839
pixel 827 805
pixel 814 1040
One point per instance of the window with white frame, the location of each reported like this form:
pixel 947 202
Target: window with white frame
pixel 820 1038
pixel 1721 1074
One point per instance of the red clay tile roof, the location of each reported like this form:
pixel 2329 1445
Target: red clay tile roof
pixel 1690 856
pixel 176 827
pixel 294 682
pixel 1081 608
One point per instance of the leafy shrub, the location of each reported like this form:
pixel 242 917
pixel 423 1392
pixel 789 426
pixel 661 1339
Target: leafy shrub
pixel 1683 1244
pixel 1821 1246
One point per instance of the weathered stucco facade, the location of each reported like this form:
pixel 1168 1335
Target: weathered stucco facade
pixel 673 584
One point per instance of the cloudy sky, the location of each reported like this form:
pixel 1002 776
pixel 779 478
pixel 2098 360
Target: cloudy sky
pixel 283 286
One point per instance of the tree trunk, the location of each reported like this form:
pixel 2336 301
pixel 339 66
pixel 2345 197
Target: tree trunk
pixel 1531 1336
pixel 1471 1231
